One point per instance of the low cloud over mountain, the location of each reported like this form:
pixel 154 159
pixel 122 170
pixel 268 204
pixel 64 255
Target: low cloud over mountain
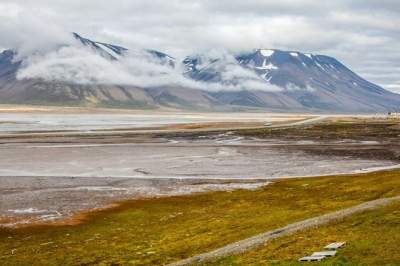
pixel 79 71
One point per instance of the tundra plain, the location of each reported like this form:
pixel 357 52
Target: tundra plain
pixel 198 181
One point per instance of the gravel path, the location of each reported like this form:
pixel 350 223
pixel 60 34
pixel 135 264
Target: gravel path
pixel 259 240
pixel 308 121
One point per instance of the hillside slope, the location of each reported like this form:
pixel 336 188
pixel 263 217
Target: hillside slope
pixel 262 79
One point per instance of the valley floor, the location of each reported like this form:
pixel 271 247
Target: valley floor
pixel 236 171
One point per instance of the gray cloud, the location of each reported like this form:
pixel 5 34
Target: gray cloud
pixel 363 34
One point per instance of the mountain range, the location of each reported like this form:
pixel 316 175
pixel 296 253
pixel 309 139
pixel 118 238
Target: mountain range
pixel 261 79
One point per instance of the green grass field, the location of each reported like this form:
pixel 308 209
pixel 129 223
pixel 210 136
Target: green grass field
pixel 372 237
pixel 157 231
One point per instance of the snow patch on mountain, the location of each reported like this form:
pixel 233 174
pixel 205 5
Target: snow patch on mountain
pixel 267 52
pixel 266 66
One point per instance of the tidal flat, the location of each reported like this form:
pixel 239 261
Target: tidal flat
pixel 51 175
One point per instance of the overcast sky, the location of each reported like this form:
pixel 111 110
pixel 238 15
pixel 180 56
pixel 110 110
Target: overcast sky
pixel 363 34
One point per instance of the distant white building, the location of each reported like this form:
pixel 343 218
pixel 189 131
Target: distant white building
pixel 394 114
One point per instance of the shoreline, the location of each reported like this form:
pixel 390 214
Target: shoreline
pixel 83 216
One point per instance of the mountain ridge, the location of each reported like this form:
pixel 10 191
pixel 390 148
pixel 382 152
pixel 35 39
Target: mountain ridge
pixel 261 79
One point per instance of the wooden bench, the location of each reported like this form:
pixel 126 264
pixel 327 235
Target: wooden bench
pixel 312 258
pixel 335 245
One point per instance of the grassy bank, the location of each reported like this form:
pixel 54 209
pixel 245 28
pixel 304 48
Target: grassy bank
pixel 372 238
pixel 157 231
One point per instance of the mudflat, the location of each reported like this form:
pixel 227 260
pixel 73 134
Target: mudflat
pixel 63 165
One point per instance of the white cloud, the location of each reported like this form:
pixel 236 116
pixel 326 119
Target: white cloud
pixel 79 64
pixel 393 87
pixel 28 33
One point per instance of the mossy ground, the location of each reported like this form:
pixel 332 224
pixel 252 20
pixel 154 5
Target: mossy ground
pixel 157 231
pixel 356 128
pixel 372 237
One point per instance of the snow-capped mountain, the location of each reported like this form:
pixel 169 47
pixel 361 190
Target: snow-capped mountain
pixel 115 52
pixel 265 79
pixel 305 81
